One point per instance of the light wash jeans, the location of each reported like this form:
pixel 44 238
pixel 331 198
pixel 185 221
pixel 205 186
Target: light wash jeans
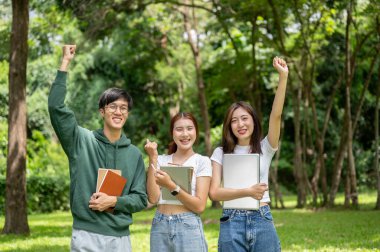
pixel 82 240
pixel 177 233
pixel 248 230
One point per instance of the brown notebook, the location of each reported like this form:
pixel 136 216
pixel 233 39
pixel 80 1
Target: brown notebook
pixel 101 173
pixel 112 183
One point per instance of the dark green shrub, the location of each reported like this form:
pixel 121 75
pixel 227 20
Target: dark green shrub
pixel 44 193
pixel 47 193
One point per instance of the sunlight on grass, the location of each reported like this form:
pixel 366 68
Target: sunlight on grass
pixel 299 229
pixel 49 232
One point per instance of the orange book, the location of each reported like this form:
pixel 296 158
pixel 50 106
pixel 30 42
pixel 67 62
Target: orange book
pixel 112 184
pixel 101 173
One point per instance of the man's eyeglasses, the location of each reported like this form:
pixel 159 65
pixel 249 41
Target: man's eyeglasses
pixel 112 107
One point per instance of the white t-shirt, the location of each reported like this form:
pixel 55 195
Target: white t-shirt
pixel 265 159
pixel 202 168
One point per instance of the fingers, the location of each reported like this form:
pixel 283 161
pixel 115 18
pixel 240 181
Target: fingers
pixel 70 49
pixel 149 144
pixel 160 172
pixel 279 61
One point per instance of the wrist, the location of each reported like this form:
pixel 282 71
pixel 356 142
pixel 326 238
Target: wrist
pixel 64 65
pixel 246 192
pixel 114 201
pixel 153 159
pixel 172 186
pixel 283 75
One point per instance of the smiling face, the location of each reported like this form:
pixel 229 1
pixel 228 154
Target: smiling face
pixel 115 114
pixel 184 133
pixel 242 126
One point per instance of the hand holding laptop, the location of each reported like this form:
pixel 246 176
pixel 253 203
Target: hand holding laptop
pixel 257 191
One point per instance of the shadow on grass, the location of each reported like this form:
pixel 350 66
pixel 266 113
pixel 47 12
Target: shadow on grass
pixel 40 231
pixel 40 248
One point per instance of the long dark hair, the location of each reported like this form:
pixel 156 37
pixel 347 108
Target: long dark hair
pixel 173 146
pixel 229 140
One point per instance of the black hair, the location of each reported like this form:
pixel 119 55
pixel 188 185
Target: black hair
pixel 113 94
pixel 229 140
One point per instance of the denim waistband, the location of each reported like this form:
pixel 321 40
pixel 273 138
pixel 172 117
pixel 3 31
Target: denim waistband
pixel 246 212
pixel 178 217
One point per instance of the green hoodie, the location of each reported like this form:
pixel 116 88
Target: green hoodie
pixel 87 151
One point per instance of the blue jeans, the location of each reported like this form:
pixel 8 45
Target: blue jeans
pixel 177 233
pixel 248 230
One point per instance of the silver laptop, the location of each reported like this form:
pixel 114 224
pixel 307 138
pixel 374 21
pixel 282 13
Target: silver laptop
pixel 241 171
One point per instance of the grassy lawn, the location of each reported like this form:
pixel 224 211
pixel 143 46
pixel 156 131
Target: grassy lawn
pixel 298 229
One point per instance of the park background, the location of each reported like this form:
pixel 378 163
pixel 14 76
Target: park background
pixel 198 56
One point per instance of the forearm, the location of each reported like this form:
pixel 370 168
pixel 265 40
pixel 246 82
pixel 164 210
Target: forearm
pixel 153 189
pixel 279 99
pixel 275 115
pixel 64 65
pixel 223 194
pixel 197 203
pixel 132 202
pixel 136 199
pixel 193 203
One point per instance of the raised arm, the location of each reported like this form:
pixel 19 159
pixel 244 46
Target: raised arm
pixel 278 103
pixel 62 118
pixel 153 189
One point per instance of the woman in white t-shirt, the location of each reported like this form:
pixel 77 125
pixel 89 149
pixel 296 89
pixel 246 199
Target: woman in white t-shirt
pixel 249 230
pixel 177 226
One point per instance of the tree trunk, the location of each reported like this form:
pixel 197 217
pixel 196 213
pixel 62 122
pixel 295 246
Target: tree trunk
pixel 320 169
pixel 255 91
pixel 273 177
pixel 377 147
pixel 338 163
pixel 16 218
pixel 191 30
pixel 350 154
pixel 298 165
pixel 347 189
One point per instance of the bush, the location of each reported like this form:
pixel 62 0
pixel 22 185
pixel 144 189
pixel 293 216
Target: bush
pixel 44 193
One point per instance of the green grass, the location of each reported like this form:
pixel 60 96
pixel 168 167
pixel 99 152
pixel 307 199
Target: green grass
pixel 298 229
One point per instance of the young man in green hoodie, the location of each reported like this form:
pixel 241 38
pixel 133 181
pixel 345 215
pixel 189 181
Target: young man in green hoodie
pixel 95 229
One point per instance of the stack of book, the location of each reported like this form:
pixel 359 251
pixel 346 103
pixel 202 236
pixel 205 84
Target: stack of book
pixel 110 182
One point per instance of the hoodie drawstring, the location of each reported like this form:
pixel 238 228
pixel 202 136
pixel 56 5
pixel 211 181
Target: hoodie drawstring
pixel 115 155
pixel 105 154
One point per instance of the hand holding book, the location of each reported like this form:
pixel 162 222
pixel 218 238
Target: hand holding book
pixel 110 184
pixel 100 201
pixel 164 180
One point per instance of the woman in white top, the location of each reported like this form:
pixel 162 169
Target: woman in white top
pixel 177 226
pixel 249 230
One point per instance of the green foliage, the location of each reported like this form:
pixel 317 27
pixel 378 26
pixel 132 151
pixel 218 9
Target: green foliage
pixel 46 157
pixel 47 193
